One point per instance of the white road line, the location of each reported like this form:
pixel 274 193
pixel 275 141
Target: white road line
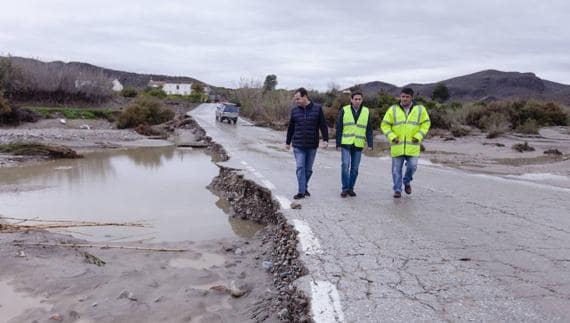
pixel 309 243
pixel 243 162
pixel 268 184
pixel 285 203
pixel 258 174
pixel 325 302
pixel 249 168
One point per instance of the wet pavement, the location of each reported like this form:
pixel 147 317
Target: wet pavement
pixel 462 247
pixel 163 187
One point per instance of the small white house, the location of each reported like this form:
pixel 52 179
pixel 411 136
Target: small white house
pixel 117 86
pixel 178 88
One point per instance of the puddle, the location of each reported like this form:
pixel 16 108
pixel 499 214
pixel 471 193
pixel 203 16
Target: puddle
pixel 163 187
pixel 205 261
pixel 13 304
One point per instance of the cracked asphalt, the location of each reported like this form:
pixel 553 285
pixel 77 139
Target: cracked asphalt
pixel 462 247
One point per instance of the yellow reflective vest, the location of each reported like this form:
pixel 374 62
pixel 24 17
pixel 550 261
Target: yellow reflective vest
pixel 396 125
pixel 354 132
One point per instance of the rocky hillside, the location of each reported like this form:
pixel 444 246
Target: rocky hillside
pixel 486 85
pixel 126 78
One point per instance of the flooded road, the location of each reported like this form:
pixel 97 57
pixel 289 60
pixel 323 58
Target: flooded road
pixel 163 187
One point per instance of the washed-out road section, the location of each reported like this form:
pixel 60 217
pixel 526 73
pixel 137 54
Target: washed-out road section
pixel 462 247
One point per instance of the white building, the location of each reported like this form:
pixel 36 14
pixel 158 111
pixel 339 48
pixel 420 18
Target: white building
pixel 177 88
pixel 172 88
pixel 117 86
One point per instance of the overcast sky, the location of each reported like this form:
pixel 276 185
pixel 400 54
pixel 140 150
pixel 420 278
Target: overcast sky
pixel 305 43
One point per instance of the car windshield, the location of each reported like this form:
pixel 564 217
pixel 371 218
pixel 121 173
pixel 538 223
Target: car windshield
pixel 231 108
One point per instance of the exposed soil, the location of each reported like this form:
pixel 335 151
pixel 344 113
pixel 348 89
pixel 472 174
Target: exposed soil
pixel 229 280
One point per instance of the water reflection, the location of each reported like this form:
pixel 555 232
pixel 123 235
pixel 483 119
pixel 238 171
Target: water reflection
pixel 241 227
pixel 162 186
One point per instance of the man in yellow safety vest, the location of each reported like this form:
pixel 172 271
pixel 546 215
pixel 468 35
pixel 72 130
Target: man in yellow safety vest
pixel 353 130
pixel 405 124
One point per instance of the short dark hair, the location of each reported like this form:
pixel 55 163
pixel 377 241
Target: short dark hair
pixel 408 90
pixel 302 91
pixel 358 92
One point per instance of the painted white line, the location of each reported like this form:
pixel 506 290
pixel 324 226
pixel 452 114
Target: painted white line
pixel 258 174
pixel 249 168
pixel 325 302
pixel 243 163
pixel 285 203
pixel 309 243
pixel 268 184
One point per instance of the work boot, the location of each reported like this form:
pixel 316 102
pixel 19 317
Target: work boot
pixel 351 193
pixel 408 189
pixel 343 194
pixel 397 195
pixel 299 196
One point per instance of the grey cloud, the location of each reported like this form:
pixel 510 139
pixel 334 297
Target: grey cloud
pixel 304 42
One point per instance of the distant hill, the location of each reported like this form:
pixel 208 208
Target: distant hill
pixel 488 85
pixel 126 78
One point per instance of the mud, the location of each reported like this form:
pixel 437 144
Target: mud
pixel 224 280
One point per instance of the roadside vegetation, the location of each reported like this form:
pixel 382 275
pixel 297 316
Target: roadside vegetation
pixel 144 110
pixel 265 105
pixel 76 113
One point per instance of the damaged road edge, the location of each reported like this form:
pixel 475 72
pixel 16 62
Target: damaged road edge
pixel 254 202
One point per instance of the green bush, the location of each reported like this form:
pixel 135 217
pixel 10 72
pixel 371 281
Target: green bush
pixel 129 92
pixel 517 114
pixel 157 93
pixel 144 111
pixel 74 113
pixel 196 97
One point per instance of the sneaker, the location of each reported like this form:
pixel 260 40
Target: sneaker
pixel 397 195
pixel 307 194
pixel 299 196
pixel 343 194
pixel 351 193
pixel 408 189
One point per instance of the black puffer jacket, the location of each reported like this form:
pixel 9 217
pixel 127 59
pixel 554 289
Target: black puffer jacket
pixel 304 126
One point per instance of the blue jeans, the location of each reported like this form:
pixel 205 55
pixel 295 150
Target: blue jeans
pixel 304 157
pixel 350 158
pixel 397 165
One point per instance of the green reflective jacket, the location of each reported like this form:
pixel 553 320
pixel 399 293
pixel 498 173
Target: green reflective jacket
pixel 396 125
pixel 354 132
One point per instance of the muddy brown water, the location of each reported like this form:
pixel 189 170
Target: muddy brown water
pixel 166 188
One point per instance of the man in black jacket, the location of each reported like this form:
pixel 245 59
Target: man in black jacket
pixel 306 119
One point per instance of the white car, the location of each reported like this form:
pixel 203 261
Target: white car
pixel 227 111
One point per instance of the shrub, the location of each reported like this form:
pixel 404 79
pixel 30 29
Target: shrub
pixel 548 114
pixel 523 147
pixel 460 131
pixel 440 93
pixel 129 92
pixel 196 97
pixel 4 106
pixel 439 119
pixel 14 115
pixel 157 93
pixel 530 127
pixel 144 110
